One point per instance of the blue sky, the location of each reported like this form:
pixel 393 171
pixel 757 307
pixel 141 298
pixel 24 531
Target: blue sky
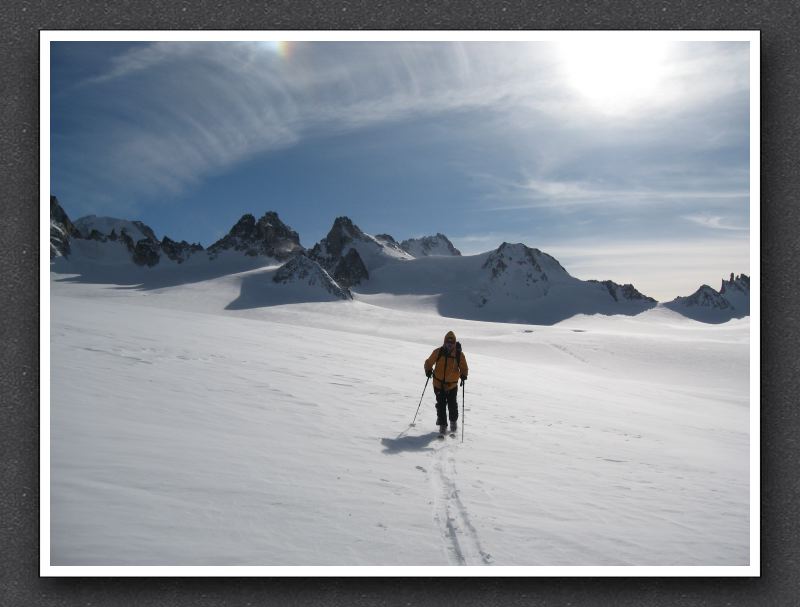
pixel 624 159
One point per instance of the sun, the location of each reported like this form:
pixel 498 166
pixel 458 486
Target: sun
pixel 614 76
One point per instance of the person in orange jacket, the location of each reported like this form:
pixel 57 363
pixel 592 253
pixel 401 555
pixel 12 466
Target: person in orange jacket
pixel 447 365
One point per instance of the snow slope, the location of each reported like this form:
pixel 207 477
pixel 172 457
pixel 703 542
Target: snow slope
pixel 513 283
pixel 186 431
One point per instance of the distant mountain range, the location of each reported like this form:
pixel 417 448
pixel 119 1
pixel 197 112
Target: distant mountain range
pixel 709 305
pixel 513 283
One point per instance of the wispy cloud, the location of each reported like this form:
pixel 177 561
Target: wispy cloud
pixel 715 222
pixel 141 59
pixel 173 113
pixel 540 193
pixel 168 115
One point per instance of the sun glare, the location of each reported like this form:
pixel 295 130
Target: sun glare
pixel 280 48
pixel 614 76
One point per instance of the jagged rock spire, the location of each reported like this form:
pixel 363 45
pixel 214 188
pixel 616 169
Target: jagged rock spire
pixel 268 236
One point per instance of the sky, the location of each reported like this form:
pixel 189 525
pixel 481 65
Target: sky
pixel 626 159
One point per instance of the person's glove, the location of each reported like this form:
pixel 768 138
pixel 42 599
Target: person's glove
pixel 429 373
pixel 463 379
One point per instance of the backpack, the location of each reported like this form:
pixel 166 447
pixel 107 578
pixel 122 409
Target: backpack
pixel 443 352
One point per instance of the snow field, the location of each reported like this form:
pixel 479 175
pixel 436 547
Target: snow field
pixel 186 434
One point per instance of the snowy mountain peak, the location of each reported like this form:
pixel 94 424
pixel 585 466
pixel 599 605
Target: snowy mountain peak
pixel 705 297
pixel 522 264
pixel 346 228
pixel 137 237
pixel 429 246
pixel 733 294
pixel 99 228
pixel 731 301
pixel 373 252
pixel 268 236
pixel 335 244
pixel 517 283
pixel 301 270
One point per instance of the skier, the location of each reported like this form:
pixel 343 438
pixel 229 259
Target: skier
pixel 447 364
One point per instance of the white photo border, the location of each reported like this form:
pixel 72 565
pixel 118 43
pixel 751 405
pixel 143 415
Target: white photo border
pixel 753 569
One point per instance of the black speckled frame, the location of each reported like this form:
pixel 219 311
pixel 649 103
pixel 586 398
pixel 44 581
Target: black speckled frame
pixel 20 22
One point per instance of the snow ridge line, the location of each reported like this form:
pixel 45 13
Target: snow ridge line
pixel 461 542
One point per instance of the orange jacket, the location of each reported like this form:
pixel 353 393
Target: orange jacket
pixel 446 369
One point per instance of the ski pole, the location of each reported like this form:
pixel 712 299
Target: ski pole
pixel 420 399
pixel 463 409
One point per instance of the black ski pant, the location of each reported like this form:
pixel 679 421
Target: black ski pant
pixel 446 403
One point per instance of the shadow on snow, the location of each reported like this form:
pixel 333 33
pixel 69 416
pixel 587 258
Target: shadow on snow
pixel 392 446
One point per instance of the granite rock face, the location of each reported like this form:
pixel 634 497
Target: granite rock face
pixel 350 254
pixel 144 252
pixel 350 270
pixel 61 230
pixel 302 270
pixel 330 250
pixel 337 254
pixel 179 251
pixel 626 292
pixel 268 237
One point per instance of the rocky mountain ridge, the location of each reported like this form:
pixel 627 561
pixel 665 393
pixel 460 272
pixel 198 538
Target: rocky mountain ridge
pixel 268 237
pixel 504 284
pixel 302 269
pixel 731 301
pixel 426 246
pixel 349 254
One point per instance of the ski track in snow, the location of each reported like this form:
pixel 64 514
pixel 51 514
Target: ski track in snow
pixel 461 540
pixel 563 349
